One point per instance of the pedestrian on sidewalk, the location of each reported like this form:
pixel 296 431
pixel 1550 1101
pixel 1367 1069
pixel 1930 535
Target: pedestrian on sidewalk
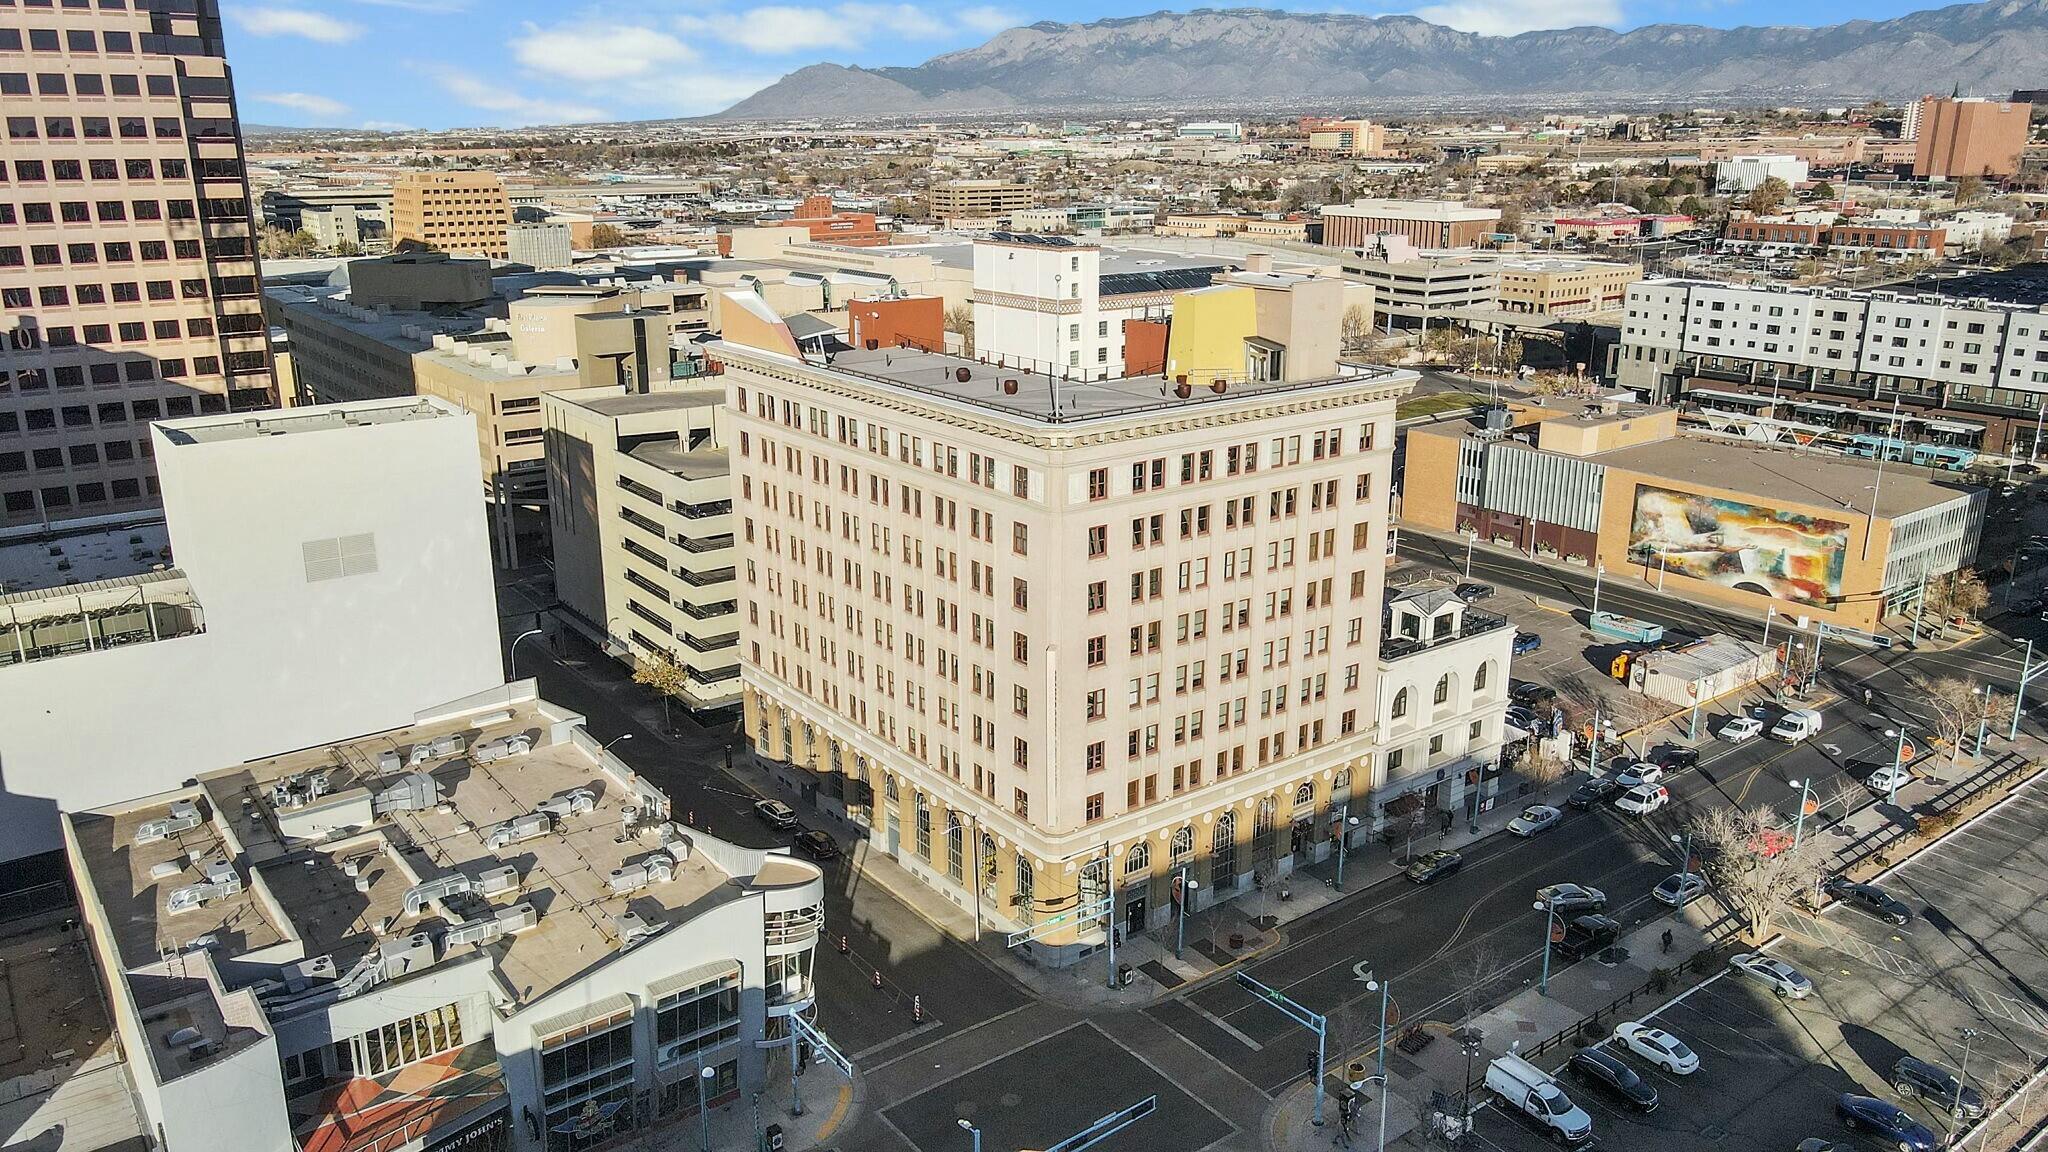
pixel 1667 940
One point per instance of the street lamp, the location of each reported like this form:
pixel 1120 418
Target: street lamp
pixel 614 740
pixel 1549 910
pixel 1470 536
pixel 1599 570
pixel 1345 823
pixel 1799 826
pixel 705 1076
pixel 1983 716
pixel 1384 988
pixel 1684 851
pixel 1898 764
pixel 1970 1036
pixel 512 650
pixel 1188 884
pixel 971 1130
pixel 1770 612
pixel 1470 1046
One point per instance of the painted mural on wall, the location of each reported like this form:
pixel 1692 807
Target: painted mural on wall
pixel 1788 555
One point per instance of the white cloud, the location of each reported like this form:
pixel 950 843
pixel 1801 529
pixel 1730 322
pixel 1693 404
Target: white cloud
pixel 988 19
pixel 387 126
pixel 295 22
pixel 307 102
pixel 782 29
pixel 518 107
pixel 1508 17
pixel 598 53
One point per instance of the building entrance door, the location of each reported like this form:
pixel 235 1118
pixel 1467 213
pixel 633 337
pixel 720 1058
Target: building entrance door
pixel 1134 917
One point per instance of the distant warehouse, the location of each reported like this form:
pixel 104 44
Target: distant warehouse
pixel 1809 534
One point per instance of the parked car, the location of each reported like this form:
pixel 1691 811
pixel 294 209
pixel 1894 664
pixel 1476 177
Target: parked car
pixel 1643 799
pixel 2025 607
pixel 1526 720
pixel 1912 1076
pixel 1472 590
pixel 1677 759
pixel 1592 792
pixel 1570 898
pixel 1587 935
pixel 1658 1047
pixel 1535 818
pixel 1888 777
pixel 1885 1120
pixel 1680 889
pixel 1741 728
pixel 775 813
pixel 1639 773
pixel 817 845
pixel 1816 1144
pixel 1870 899
pixel 1441 862
pixel 1527 642
pixel 1608 1073
pixel 1532 695
pixel 1772 973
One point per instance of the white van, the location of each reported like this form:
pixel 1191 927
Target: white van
pixel 1529 1089
pixel 1796 725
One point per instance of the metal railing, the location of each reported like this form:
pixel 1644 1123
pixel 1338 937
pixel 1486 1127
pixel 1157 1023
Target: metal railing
pixel 1473 624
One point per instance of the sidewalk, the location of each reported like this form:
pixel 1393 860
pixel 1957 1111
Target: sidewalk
pixel 829 1103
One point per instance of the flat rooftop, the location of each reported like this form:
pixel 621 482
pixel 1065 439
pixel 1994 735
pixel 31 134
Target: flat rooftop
pixel 328 873
pixel 298 421
pixel 618 403
pixel 689 463
pixel 60 557
pixel 1784 473
pixel 938 374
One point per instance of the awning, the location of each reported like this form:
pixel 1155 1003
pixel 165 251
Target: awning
pixel 1510 734
pixel 1952 426
pixel 1744 397
pixel 1816 407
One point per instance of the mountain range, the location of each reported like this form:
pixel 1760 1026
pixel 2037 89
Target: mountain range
pixel 1258 58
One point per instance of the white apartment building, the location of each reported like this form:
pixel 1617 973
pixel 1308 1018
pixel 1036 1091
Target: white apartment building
pixel 1963 372
pixel 1051 303
pixel 1016 626
pixel 640 510
pixel 478 930
pixel 331 577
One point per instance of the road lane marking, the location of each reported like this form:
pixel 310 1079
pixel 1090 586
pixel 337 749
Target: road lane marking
pixel 1220 1022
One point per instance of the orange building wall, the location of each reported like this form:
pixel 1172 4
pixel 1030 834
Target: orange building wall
pixel 1429 482
pixel 1970 138
pixel 914 321
pixel 1144 347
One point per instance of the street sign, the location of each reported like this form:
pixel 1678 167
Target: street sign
pixel 1086 912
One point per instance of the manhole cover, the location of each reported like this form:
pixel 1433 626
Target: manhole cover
pixel 1525 1025
pixel 1009 1099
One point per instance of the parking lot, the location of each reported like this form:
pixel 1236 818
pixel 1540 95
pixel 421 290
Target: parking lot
pixel 1771 1070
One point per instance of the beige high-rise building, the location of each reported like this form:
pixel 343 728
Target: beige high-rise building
pixel 978 198
pixel 1019 632
pixel 465 213
pixel 129 290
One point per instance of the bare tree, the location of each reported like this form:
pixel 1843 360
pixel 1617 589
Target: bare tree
pixel 960 318
pixel 1958 593
pixel 1479 976
pixel 1749 858
pixel 666 677
pixel 1356 327
pixel 1958 705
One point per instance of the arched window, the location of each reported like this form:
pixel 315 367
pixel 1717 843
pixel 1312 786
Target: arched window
pixel 1223 851
pixel 1342 779
pixel 1306 794
pixel 1262 816
pixel 988 863
pixel 1139 861
pixel 1479 679
pixel 1400 704
pixel 1443 688
pixel 956 848
pixel 1025 911
pixel 1183 845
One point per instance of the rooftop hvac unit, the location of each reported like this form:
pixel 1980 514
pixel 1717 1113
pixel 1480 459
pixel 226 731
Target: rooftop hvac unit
pixel 503 748
pixel 406 954
pixel 152 831
pixel 367 973
pixel 473 932
pixel 298 790
pixel 569 802
pixel 492 881
pixel 222 881
pixel 633 929
pixel 655 869
pixel 519 917
pixel 519 828
pixel 416 792
pixel 440 888
pixel 302 975
pixel 390 761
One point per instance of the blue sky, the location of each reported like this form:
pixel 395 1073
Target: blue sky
pixel 455 63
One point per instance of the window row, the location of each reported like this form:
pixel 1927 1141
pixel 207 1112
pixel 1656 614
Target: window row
pixel 105 168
